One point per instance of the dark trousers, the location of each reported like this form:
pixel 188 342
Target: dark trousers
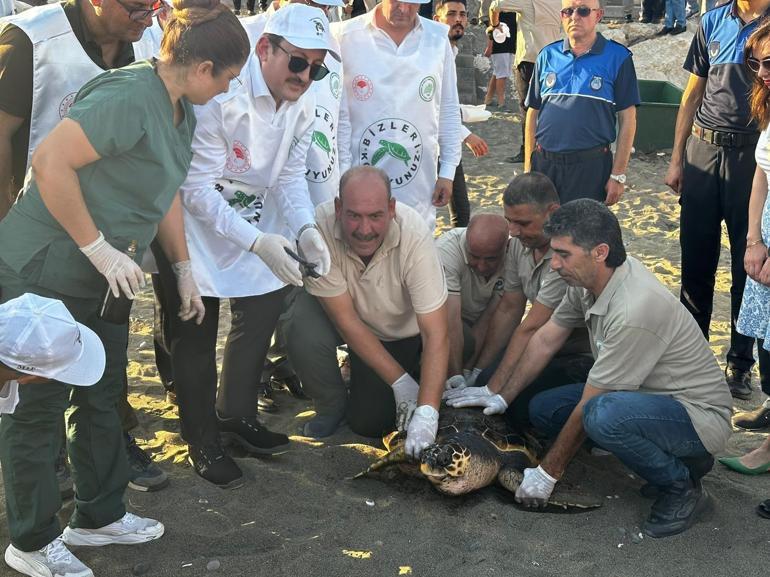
pixel 581 174
pixel 162 318
pixel 653 9
pixel 249 4
pixel 193 358
pixel 30 437
pixel 716 186
pixel 312 341
pixel 459 205
pixel 561 371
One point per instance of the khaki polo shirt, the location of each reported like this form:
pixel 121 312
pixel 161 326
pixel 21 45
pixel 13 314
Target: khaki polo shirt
pixel 540 283
pixel 644 340
pixel 404 278
pixel 474 290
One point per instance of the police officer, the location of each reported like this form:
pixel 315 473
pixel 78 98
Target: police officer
pixel 578 87
pixel 712 165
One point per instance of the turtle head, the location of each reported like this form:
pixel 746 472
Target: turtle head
pixel 441 462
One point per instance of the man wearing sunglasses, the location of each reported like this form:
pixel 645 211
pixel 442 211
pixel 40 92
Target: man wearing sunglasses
pixel 246 201
pixel 711 168
pixel 399 105
pixel 581 88
pixel 46 55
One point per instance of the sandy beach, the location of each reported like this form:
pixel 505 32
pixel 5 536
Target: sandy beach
pixel 299 515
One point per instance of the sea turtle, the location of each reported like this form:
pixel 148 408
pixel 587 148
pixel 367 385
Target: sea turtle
pixel 472 451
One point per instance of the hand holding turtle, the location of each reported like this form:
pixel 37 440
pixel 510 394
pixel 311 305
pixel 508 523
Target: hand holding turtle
pixel 313 249
pixel 492 403
pixel 405 391
pixel 455 382
pixel 536 488
pixel 465 393
pixel 270 248
pixel 471 376
pixel 422 430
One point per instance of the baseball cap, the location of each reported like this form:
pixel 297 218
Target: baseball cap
pixel 38 336
pixel 304 27
pixel 329 2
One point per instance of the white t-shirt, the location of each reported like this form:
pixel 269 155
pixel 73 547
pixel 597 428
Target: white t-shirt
pixel 9 397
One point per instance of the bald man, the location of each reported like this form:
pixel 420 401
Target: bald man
pixel 473 259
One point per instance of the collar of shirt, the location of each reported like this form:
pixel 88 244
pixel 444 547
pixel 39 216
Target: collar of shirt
pixel 734 12
pixel 77 21
pixel 391 241
pixel 597 48
pixel 601 304
pixel 372 23
pixel 259 88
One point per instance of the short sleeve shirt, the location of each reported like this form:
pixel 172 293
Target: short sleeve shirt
pixel 716 54
pixel 126 115
pixel 475 292
pixel 644 340
pixel 579 97
pixel 404 278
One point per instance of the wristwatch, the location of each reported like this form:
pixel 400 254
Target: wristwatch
pixel 621 178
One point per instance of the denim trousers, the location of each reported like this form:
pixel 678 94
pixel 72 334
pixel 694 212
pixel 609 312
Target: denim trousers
pixel 675 13
pixel 650 434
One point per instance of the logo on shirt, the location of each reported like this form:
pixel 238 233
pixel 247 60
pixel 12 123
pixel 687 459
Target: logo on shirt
pixel 427 88
pixel 239 159
pixel 319 26
pixel 550 79
pixel 714 48
pixel 323 144
pixel 66 104
pixel 395 146
pixel 362 87
pixel 334 85
pixel 596 82
pixel 499 283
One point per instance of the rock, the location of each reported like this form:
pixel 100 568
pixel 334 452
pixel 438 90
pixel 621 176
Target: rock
pixel 615 34
pixel 140 568
pixel 213 565
pixel 662 59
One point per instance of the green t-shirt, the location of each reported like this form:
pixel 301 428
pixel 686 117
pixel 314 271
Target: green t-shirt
pixel 126 115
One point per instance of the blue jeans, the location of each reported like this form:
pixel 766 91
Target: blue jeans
pixel 650 434
pixel 675 13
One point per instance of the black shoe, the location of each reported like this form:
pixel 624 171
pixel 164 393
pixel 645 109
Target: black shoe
pixel 291 384
pixel 217 467
pixel 645 20
pixel 739 382
pixel 663 31
pixel 678 30
pixel 144 474
pixel 252 435
pixel 676 509
pixel 754 420
pixel 698 467
pixel 629 18
pixel 518 158
pixel 265 400
pixel 237 12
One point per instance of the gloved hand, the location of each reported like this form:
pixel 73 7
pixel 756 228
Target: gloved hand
pixel 192 304
pixel 115 266
pixel 270 248
pixel 466 392
pixel 314 250
pixel 455 382
pixel 471 376
pixel 492 403
pixel 405 390
pixel 422 430
pixel 536 488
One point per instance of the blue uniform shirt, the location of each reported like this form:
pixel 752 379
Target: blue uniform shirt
pixel 716 54
pixel 577 98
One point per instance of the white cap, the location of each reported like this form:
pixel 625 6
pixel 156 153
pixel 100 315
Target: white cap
pixel 304 27
pixel 38 336
pixel 329 2
pixel 419 1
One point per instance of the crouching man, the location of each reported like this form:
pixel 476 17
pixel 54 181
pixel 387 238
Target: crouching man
pixel 385 297
pixel 655 396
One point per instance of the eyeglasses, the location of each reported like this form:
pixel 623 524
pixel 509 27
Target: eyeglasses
pixel 297 64
pixel 138 14
pixel 582 11
pixel 234 76
pixel 755 64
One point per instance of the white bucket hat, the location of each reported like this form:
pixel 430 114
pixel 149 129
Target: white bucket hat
pixel 304 27
pixel 38 336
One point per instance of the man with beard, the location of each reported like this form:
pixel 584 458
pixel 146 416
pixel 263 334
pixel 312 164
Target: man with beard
pixel 655 397
pixel 455 15
pixel 529 201
pixel 385 297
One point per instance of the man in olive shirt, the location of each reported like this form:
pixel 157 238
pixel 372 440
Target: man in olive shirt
pixel 473 259
pixel 655 396
pixel 385 297
pixel 74 41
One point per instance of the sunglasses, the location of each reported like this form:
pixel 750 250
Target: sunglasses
pixel 138 14
pixel 582 11
pixel 755 64
pixel 297 64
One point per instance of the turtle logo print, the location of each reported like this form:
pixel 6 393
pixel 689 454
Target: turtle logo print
pixel 427 88
pixel 322 154
pixel 66 104
pixel 239 159
pixel 319 26
pixel 362 87
pixel 334 85
pixel 395 146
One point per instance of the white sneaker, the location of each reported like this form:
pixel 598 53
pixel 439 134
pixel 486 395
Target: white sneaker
pixel 128 530
pixel 53 560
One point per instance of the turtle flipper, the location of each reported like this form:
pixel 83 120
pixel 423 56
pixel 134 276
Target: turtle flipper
pixel 394 457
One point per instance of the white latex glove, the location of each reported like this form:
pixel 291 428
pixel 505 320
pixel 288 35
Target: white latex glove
pixel 122 273
pixel 422 430
pixel 471 376
pixel 270 248
pixel 492 403
pixel 536 488
pixel 455 382
pixel 466 393
pixel 192 304
pixel 313 249
pixel 405 390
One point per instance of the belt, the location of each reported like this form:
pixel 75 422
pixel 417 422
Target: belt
pixel 575 156
pixel 726 139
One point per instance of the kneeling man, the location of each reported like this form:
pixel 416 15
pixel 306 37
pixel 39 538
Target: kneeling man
pixel 655 397
pixel 385 297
